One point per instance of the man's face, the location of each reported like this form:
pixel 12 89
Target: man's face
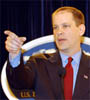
pixel 67 34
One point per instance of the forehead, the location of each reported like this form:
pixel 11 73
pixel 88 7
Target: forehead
pixel 63 15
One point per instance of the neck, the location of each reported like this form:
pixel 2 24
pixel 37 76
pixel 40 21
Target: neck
pixel 70 52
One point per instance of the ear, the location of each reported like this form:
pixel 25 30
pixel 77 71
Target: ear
pixel 82 29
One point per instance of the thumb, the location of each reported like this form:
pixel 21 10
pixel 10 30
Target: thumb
pixel 23 39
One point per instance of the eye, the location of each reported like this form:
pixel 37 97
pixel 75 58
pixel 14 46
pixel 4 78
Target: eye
pixel 66 26
pixel 55 27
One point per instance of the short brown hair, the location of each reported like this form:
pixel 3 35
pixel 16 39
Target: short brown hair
pixel 77 14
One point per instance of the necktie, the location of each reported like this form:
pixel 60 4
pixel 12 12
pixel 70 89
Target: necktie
pixel 68 80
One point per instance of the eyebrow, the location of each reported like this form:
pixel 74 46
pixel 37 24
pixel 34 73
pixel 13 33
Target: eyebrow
pixel 62 24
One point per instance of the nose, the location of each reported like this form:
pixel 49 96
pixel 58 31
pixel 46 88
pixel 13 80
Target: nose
pixel 59 31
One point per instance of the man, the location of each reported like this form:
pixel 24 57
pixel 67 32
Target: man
pixel 45 73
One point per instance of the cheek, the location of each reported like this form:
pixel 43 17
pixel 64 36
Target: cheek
pixel 73 33
pixel 74 37
pixel 55 34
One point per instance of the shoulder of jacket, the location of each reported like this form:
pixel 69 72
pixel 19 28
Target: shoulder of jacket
pixel 86 53
pixel 41 56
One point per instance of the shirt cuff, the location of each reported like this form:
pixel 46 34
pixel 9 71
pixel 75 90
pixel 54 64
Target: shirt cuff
pixel 16 61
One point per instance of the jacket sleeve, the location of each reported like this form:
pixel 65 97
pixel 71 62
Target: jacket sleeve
pixel 23 76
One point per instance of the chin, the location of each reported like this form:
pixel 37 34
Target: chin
pixel 61 46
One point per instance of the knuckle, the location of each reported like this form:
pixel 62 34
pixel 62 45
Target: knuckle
pixel 7 37
pixel 5 46
pixel 6 42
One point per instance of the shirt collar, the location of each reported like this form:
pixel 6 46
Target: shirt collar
pixel 76 58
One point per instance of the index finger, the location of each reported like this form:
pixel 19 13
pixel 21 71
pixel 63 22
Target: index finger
pixel 9 33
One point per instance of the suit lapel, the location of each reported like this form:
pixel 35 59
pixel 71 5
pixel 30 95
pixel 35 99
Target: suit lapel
pixel 53 70
pixel 82 82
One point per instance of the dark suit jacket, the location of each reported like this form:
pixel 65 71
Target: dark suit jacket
pixel 44 74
